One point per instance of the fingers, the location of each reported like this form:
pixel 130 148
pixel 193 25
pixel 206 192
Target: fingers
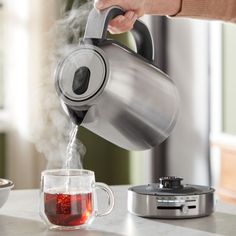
pixel 122 24
pixel 102 4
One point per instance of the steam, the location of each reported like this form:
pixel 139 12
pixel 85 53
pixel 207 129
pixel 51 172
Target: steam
pixel 52 129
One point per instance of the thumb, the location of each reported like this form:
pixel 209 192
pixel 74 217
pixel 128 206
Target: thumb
pixel 102 4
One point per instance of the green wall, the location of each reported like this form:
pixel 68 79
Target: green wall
pixel 229 78
pixel 110 163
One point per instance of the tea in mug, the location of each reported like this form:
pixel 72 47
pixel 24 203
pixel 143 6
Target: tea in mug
pixel 68 209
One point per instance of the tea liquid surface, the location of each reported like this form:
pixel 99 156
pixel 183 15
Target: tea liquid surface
pixel 68 209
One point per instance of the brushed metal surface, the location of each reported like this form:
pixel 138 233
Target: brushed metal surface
pixel 186 206
pixel 136 109
pixel 139 105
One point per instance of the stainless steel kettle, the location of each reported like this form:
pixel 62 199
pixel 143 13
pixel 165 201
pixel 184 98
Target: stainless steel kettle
pixel 114 92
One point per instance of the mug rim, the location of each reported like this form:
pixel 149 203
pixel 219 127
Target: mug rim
pixel 62 172
pixel 5 183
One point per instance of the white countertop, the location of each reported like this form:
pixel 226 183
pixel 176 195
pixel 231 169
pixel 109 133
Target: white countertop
pixel 19 217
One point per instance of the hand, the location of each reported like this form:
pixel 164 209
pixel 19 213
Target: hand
pixel 135 9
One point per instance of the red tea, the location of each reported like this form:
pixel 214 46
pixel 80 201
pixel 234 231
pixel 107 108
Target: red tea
pixel 68 209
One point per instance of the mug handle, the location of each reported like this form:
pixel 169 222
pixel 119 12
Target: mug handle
pixel 110 196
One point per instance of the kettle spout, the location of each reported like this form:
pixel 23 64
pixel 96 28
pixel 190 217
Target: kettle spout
pixel 76 117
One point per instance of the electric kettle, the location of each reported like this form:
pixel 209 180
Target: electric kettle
pixel 115 92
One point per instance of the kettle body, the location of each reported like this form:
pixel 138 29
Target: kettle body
pixel 116 93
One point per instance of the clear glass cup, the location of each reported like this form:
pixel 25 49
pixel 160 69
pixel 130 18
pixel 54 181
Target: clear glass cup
pixel 68 198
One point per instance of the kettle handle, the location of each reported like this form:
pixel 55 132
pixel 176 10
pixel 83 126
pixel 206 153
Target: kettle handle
pixel 97 24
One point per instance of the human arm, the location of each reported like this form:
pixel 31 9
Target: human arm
pixel 202 9
pixel 209 9
pixel 135 9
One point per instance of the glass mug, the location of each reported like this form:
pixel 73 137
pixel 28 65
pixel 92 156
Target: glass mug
pixel 68 198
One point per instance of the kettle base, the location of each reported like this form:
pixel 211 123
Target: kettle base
pixel 189 201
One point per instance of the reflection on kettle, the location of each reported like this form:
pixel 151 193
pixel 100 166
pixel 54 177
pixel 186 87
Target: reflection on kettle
pixel 114 92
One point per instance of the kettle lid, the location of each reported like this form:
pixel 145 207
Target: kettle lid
pixel 82 74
